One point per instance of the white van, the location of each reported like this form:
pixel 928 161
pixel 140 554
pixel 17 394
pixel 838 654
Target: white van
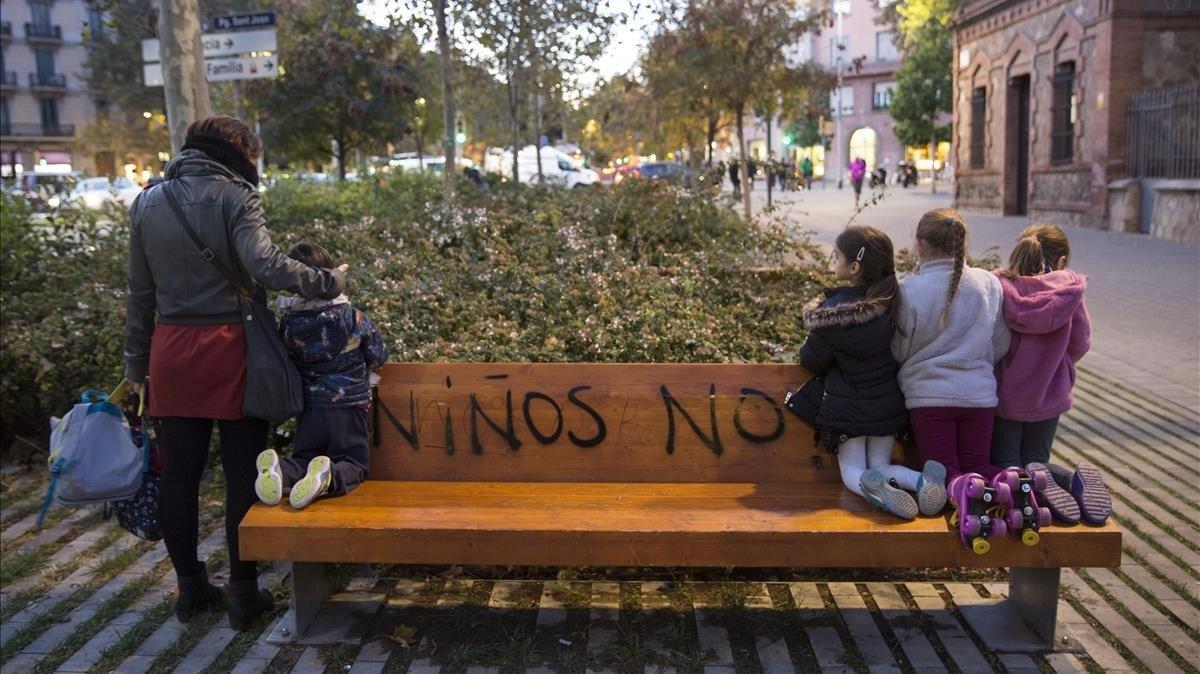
pixel 557 168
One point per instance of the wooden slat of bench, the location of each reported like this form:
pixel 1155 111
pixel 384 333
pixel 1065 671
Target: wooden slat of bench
pixel 569 524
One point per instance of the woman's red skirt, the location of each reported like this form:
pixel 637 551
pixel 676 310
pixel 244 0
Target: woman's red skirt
pixel 198 371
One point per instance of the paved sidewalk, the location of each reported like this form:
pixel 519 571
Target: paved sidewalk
pixel 1143 293
pixel 82 597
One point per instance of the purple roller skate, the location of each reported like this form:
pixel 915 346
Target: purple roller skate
pixel 1023 513
pixel 974 502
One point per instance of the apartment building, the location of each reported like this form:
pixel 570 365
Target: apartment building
pixel 44 101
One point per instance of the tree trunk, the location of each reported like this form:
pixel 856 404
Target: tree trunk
pixel 339 153
pixel 537 130
pixel 184 86
pixel 932 158
pixel 769 171
pixel 743 165
pixel 710 137
pixel 449 116
pixel 516 132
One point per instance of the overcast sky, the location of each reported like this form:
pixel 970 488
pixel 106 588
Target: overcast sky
pixel 627 43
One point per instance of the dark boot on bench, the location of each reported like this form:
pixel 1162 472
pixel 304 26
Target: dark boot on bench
pixel 196 596
pixel 247 603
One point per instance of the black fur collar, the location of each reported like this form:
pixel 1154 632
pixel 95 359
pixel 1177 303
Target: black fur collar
pixel 845 315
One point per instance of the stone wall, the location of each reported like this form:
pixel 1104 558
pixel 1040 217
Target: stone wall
pixel 1176 205
pixel 977 189
pixel 1053 188
pixel 1124 204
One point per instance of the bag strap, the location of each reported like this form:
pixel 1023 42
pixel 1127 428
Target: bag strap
pixel 205 252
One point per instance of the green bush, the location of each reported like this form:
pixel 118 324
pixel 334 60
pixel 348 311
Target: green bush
pixel 643 272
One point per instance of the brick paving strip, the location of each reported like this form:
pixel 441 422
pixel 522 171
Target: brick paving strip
pixel 1142 617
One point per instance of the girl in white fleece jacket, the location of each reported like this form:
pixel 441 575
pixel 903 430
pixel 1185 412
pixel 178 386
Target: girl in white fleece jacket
pixel 950 332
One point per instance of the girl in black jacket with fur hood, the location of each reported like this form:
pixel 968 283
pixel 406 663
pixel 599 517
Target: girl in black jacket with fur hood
pixel 854 395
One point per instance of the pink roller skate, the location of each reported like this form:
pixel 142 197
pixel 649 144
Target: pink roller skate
pixel 974 502
pixel 1023 513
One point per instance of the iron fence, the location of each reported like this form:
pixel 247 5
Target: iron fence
pixel 1164 133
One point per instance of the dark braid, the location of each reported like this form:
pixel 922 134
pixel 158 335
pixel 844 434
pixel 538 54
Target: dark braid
pixel 958 245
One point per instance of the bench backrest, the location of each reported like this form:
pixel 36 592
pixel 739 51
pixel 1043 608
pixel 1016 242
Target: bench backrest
pixel 569 422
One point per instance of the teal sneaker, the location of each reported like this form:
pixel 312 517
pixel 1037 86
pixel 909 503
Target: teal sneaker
pixel 931 488
pixel 881 494
pixel 314 483
pixel 269 483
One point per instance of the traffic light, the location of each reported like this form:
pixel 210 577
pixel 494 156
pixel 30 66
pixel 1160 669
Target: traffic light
pixel 460 137
pixel 788 140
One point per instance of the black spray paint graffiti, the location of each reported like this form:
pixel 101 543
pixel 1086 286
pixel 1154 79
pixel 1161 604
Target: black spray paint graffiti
pixel 507 431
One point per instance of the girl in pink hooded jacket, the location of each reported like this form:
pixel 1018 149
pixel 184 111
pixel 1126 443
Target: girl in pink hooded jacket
pixel 1051 331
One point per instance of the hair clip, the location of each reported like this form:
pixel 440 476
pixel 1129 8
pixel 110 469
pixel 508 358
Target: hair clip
pixel 861 251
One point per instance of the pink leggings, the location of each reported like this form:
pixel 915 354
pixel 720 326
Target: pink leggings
pixel 960 438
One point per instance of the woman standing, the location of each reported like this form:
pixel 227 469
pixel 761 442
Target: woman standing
pixel 183 328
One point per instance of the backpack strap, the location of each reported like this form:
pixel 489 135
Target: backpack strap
pixel 205 252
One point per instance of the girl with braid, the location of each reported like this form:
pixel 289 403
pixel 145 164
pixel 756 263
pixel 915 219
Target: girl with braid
pixel 950 333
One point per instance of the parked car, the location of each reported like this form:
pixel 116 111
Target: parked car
pixel 96 192
pixel 625 172
pixel 671 172
pixel 557 168
pixel 92 192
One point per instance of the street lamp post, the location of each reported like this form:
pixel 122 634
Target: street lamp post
pixel 841 8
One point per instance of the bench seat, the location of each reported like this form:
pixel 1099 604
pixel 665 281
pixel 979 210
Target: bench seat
pixel 612 464
pixel 640 524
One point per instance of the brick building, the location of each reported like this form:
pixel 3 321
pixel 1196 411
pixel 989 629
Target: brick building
pixel 1054 112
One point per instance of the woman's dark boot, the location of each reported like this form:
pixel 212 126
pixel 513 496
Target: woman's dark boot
pixel 196 596
pixel 247 603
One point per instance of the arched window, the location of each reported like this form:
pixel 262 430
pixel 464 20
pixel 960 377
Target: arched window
pixel 864 143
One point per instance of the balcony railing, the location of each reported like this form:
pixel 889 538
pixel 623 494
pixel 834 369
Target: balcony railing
pixel 47 81
pixel 8 79
pixel 38 130
pixel 43 31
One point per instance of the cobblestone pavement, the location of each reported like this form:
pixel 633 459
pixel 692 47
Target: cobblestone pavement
pixel 1143 293
pixel 80 596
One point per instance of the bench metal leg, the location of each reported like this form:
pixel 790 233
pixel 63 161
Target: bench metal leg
pixel 309 590
pixel 1034 593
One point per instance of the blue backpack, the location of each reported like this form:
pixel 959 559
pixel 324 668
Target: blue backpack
pixel 93 458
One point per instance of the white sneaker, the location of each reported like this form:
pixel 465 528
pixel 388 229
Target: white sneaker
pixel 931 488
pixel 314 483
pixel 887 498
pixel 269 483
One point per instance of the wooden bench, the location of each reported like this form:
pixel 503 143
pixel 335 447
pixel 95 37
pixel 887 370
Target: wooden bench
pixel 621 465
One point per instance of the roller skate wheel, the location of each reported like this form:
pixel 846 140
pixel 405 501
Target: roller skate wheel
pixel 954 518
pixel 1014 520
pixel 972 525
pixel 1030 537
pixel 980 546
pixel 1044 517
pixel 987 497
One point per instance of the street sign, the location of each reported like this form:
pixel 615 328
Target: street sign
pixel 222 70
pixel 221 44
pixel 242 21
